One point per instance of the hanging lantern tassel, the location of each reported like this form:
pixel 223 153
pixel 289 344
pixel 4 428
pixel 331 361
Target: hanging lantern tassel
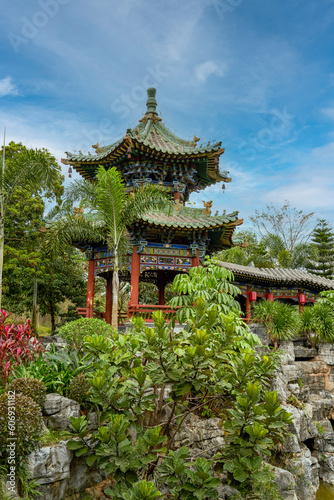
pixel 69 172
pixel 129 152
pixel 223 188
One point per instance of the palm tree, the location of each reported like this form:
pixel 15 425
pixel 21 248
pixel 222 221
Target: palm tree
pixel 34 169
pixel 113 210
pixel 317 323
pixel 280 320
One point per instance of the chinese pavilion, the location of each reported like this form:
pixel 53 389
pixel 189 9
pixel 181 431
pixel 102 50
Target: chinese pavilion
pixel 286 285
pixel 162 246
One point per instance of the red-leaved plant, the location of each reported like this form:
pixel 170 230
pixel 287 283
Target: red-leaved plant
pixel 17 345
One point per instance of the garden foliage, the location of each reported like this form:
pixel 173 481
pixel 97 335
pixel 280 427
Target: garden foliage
pixel 18 345
pixel 31 387
pixel 28 425
pixel 74 332
pixel 147 382
pixel 281 320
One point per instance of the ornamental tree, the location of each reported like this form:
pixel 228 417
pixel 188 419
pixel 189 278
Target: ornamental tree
pixel 112 211
pixel 323 241
pixel 32 169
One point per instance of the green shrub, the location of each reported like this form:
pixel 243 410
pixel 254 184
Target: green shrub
pixel 280 320
pixel 28 425
pixel 31 387
pixel 79 388
pixel 74 332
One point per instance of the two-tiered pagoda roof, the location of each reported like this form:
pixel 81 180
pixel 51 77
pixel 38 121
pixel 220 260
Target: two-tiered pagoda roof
pixel 151 150
pixel 151 153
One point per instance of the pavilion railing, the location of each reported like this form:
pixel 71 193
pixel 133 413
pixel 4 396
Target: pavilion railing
pixel 122 317
pixel 146 310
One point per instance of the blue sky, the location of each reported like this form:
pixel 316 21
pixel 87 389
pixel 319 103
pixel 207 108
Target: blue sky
pixel 257 75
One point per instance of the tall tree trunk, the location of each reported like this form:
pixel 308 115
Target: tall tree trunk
pixel 34 306
pixel 2 244
pixel 53 316
pixel 115 290
pixel 2 213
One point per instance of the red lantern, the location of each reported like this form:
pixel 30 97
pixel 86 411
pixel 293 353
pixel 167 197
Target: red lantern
pixel 302 299
pixel 270 297
pixel 252 296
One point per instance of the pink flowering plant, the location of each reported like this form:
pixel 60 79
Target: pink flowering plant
pixel 18 345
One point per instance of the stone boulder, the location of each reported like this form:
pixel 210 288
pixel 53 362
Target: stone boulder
pixel 300 391
pixel 326 462
pixel 302 425
pixel 280 385
pixel 304 353
pixel 307 474
pixel 322 405
pixel 315 374
pixel 50 467
pixel 286 483
pixel 287 352
pixel 326 353
pixel 202 434
pixel 57 411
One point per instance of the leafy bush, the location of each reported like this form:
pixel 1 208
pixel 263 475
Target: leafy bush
pixel 204 363
pixel 281 320
pixel 74 332
pixel 31 387
pixel 28 424
pixel 317 322
pixel 17 345
pixel 253 426
pixel 79 388
pixel 55 369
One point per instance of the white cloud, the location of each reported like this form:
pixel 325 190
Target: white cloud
pixel 329 112
pixel 7 87
pixel 204 70
pixel 310 185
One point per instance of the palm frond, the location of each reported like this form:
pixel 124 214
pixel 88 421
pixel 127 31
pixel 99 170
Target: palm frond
pixel 72 230
pixel 111 199
pixel 150 198
pixel 82 191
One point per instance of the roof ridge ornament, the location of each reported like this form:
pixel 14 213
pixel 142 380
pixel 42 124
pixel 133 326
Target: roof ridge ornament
pixel 151 102
pixel 151 107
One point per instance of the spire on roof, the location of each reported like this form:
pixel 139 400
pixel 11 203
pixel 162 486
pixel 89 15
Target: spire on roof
pixel 151 102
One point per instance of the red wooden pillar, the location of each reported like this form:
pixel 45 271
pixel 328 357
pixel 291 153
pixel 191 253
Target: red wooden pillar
pixel 161 288
pixel 135 272
pixel 248 306
pixel 90 288
pixel 195 260
pixel 108 313
pixel 301 301
pixel 177 195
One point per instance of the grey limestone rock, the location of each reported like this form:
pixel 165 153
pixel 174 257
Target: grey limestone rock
pixel 286 349
pixel 326 353
pixel 302 425
pixel 280 385
pixel 204 434
pixel 305 352
pixel 285 482
pixel 57 411
pixel 322 405
pixel 50 464
pixel 307 475
pixel 326 462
